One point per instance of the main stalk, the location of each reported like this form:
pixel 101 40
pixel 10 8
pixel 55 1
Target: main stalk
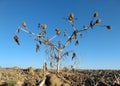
pixel 58 61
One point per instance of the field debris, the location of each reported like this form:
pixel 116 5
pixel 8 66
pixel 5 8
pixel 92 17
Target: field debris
pixel 33 77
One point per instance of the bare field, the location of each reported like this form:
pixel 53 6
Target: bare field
pixel 33 77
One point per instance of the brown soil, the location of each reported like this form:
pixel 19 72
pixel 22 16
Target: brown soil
pixel 33 77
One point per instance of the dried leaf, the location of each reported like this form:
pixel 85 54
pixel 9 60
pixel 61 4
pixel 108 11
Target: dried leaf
pixel 74 55
pixel 40 42
pixel 18 30
pixel 16 39
pixel 37 48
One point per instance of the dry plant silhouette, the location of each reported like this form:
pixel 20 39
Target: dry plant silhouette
pixel 56 51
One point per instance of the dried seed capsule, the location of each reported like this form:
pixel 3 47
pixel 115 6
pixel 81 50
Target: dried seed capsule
pixel 73 56
pixel 109 27
pixel 95 14
pixel 24 24
pixel 44 26
pixel 77 42
pixel 57 31
pixel 71 17
pixel 98 21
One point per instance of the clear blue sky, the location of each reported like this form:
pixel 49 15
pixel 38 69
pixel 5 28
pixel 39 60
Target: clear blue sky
pixel 98 49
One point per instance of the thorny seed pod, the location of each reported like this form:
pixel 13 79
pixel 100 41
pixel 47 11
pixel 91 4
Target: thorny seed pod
pixel 44 26
pixel 71 17
pixel 74 55
pixel 37 47
pixel 57 31
pixel 24 24
pixel 77 42
pixel 95 14
pixel 98 21
pixel 16 39
pixel 109 27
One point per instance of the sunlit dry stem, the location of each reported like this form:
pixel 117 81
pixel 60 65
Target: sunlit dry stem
pixel 53 37
pixel 29 32
pixel 107 26
pixel 58 60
